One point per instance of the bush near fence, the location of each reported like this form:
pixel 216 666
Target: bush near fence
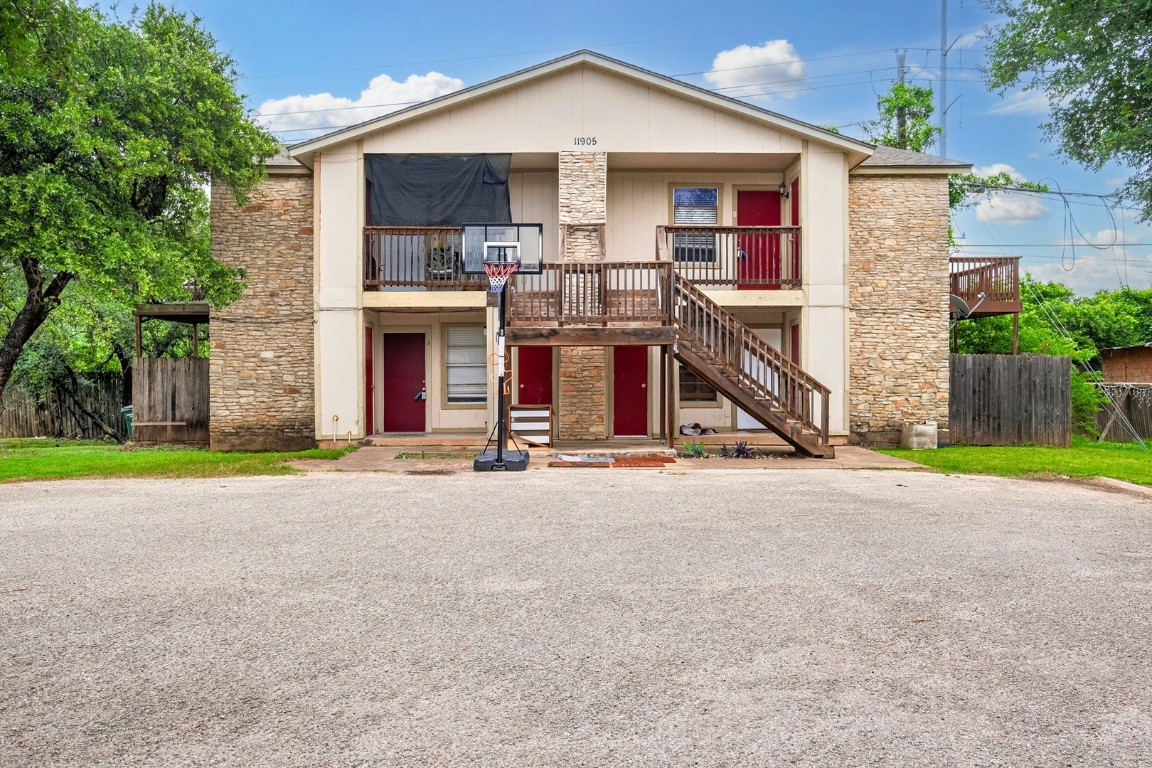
pixel 1010 400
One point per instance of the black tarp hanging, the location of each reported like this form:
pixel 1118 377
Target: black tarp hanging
pixel 438 190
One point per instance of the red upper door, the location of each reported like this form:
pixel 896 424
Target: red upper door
pixel 760 253
pixel 403 382
pixel 369 384
pixel 629 391
pixel 534 375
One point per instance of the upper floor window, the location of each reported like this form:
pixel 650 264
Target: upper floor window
pixel 696 206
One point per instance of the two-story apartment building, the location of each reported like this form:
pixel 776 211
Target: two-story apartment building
pixel 705 261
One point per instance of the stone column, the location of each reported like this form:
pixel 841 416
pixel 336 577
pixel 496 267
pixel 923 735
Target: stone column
pixel 583 370
pixel 898 289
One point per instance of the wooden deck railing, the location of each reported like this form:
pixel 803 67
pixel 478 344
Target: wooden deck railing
pixel 988 284
pixel 757 258
pixel 749 359
pixel 617 293
pixel 416 257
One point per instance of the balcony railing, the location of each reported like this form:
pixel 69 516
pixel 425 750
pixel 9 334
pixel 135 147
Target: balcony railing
pixel 989 285
pixel 752 258
pixel 410 258
pixel 617 293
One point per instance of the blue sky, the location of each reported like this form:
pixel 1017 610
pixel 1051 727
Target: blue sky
pixel 339 62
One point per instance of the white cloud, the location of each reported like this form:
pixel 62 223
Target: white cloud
pixel 751 71
pixel 1105 237
pixel 1023 103
pixel 1033 155
pixel 1090 271
pixel 1008 208
pixel 998 168
pixel 307 115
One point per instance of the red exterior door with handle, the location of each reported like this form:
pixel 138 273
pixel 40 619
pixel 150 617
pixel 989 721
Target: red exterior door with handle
pixel 760 254
pixel 403 382
pixel 534 375
pixel 629 391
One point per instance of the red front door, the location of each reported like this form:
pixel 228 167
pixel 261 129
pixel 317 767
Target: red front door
pixel 369 384
pixel 760 254
pixel 629 391
pixel 534 375
pixel 403 382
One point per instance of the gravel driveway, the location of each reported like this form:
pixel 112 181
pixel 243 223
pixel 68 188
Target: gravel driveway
pixel 575 617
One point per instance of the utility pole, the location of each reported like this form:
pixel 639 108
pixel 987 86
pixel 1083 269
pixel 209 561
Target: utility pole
pixel 944 105
pixel 901 109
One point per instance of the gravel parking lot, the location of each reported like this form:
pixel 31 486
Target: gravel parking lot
pixel 575 617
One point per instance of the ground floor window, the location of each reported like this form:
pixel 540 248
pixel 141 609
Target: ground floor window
pixel 694 389
pixel 465 359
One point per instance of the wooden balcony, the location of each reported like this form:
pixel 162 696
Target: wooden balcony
pixel 605 302
pixel 416 258
pixel 744 258
pixel 989 285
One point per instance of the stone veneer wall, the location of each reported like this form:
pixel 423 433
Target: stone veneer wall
pixel 262 378
pixel 898 304
pixel 583 370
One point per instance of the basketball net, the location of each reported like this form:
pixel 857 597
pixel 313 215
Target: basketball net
pixel 498 273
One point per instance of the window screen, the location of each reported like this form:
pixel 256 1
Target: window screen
pixel 695 206
pixel 465 363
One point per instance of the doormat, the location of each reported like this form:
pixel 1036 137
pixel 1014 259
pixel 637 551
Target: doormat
pixel 608 462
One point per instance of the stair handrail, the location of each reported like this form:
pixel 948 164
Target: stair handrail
pixel 731 339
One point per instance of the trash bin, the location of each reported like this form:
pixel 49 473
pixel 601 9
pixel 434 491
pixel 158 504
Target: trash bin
pixel 126 412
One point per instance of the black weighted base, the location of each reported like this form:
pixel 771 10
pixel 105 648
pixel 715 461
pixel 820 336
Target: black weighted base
pixel 513 461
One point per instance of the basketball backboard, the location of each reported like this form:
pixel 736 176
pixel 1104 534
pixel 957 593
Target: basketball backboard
pixel 503 243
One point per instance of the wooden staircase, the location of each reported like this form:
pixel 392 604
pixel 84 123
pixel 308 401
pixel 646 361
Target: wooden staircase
pixel 732 358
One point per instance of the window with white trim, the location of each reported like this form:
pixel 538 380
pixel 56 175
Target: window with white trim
pixel 465 365
pixel 695 206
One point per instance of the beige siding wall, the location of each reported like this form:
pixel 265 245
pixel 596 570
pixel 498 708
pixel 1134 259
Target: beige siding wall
pixel 640 201
pixel 261 366
pixel 535 200
pixel 552 114
pixel 899 304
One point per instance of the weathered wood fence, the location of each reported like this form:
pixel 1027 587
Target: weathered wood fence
pixel 1010 400
pixel 89 413
pixel 170 400
pixel 1134 402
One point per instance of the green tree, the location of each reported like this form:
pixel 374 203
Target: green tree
pixel 109 138
pixel 905 120
pixel 1090 59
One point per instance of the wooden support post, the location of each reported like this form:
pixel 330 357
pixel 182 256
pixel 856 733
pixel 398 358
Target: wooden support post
pixel 195 340
pixel 664 394
pixel 1016 333
pixel 139 330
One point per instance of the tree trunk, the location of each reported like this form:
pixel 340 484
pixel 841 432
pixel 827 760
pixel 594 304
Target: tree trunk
pixel 42 297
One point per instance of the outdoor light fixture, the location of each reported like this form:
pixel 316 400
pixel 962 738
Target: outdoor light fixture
pixel 783 190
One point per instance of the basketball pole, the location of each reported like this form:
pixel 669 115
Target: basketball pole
pixel 500 426
pixel 486 462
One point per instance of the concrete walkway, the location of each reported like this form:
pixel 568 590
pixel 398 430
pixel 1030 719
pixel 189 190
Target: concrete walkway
pixel 383 459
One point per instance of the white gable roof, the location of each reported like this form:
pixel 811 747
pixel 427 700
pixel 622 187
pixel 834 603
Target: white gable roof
pixel 857 151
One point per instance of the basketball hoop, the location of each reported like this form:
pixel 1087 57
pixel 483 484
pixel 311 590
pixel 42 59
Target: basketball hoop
pixel 498 273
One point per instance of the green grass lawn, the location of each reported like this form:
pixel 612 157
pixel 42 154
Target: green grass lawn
pixel 1086 458
pixel 40 459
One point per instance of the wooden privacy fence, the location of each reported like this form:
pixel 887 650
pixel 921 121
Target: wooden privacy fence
pixel 1010 400
pixel 1134 403
pixel 170 400
pixel 91 413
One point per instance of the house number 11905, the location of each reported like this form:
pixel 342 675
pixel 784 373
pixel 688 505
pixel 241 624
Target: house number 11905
pixel 584 141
